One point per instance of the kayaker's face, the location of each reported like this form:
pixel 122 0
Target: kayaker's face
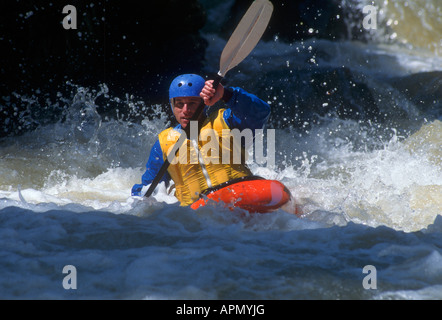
pixel 184 108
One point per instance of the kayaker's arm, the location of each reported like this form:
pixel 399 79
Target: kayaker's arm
pixel 153 166
pixel 246 111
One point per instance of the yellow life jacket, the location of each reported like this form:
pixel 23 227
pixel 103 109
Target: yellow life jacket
pixel 217 162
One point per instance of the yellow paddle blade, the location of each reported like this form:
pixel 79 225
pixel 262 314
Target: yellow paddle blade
pixel 246 35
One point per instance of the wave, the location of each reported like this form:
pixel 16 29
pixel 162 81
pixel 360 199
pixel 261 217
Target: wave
pixel 415 24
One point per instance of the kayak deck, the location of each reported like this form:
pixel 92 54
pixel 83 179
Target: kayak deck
pixel 254 194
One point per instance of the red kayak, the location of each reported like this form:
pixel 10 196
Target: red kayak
pixel 254 194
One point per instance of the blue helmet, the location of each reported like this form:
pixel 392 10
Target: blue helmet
pixel 186 85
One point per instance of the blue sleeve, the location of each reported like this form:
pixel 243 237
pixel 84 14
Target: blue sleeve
pixel 246 111
pixel 153 166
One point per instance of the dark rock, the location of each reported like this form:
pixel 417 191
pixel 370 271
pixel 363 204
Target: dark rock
pixel 134 47
pixel 424 90
pixel 322 92
pixel 298 20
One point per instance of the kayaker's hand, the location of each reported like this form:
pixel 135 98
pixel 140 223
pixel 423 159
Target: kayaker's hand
pixel 209 95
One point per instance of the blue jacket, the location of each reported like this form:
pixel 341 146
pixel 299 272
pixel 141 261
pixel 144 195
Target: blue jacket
pixel 245 111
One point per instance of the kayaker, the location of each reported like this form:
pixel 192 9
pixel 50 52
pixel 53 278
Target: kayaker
pixel 242 110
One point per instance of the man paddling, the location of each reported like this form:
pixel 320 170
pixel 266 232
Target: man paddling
pixel 186 93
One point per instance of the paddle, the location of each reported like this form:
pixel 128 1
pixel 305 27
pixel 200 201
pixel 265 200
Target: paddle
pixel 242 41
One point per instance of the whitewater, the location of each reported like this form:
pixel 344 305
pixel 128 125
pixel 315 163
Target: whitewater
pixel 371 195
